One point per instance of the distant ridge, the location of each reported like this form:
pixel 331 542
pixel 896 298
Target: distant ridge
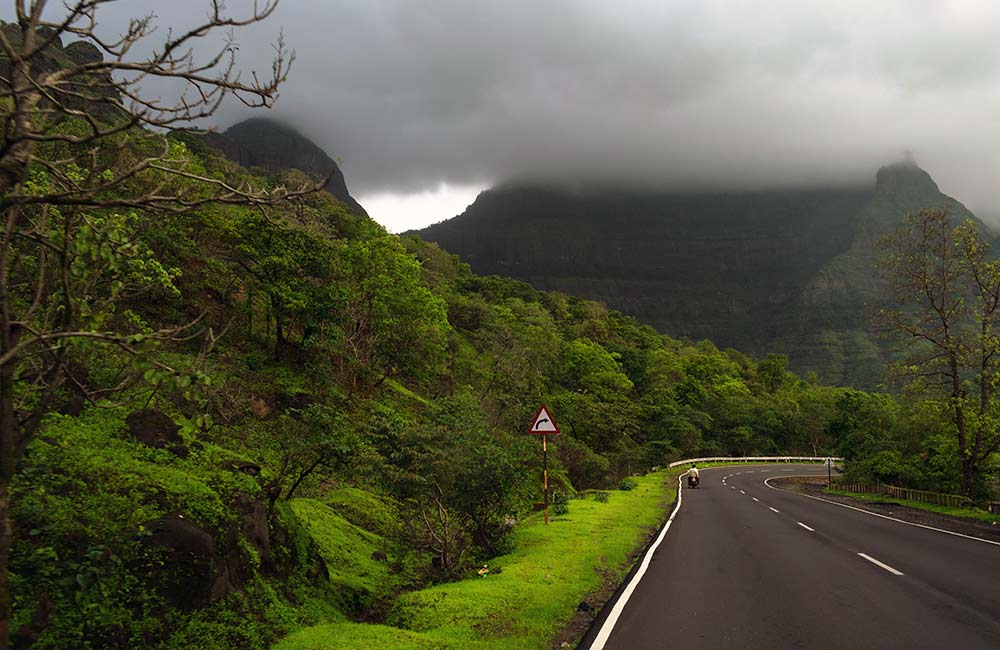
pixel 762 271
pixel 262 142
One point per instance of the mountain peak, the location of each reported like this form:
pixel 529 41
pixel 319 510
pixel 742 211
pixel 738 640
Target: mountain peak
pixel 904 177
pixel 264 142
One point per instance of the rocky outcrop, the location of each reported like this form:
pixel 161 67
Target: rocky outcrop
pixel 155 429
pixel 253 524
pixel 197 568
pixel 260 142
pixel 188 576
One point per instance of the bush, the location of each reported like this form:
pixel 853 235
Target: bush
pixel 627 484
pixel 586 469
pixel 560 503
pixel 601 496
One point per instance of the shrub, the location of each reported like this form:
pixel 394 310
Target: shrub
pixel 560 503
pixel 601 496
pixel 627 484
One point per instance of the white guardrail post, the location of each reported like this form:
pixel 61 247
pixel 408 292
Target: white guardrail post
pixel 756 459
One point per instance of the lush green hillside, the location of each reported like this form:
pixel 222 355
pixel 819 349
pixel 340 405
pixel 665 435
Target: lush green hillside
pixel 341 386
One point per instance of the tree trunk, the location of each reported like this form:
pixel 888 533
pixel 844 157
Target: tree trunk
pixel 9 440
pixel 279 332
pixel 968 476
pixel 5 544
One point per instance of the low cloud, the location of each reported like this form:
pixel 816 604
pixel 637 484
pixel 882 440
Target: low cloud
pixel 681 93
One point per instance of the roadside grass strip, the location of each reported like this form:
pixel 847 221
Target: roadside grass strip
pixel 965 513
pixel 881 516
pixel 534 594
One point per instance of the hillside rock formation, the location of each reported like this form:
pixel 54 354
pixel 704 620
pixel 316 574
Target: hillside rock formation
pixel 261 142
pixel 765 271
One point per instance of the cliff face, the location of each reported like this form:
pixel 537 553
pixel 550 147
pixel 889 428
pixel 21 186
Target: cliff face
pixel 828 328
pixel 260 142
pixel 778 271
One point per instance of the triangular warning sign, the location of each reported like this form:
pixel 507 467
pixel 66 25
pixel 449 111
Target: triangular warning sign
pixel 544 424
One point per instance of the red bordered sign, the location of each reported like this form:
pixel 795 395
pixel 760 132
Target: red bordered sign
pixel 544 424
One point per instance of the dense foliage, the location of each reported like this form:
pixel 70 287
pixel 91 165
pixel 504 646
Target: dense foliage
pixel 351 409
pixel 331 354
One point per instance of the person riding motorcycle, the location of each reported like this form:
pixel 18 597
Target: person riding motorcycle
pixel 693 478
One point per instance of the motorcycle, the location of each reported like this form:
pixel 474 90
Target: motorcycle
pixel 693 481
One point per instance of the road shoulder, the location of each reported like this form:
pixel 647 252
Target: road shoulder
pixel 959 525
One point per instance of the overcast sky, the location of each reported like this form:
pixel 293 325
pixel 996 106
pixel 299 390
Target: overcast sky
pixel 435 100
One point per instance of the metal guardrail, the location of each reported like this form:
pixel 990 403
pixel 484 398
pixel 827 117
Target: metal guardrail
pixel 757 459
pixel 923 496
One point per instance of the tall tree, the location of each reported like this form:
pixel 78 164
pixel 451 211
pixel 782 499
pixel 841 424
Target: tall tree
pixel 946 291
pixel 82 156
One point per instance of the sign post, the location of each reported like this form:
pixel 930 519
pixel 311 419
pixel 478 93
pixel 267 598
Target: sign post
pixel 544 426
pixel 829 473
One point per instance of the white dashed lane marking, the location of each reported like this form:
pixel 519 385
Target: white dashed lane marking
pixel 806 527
pixel 881 564
pixel 774 509
pixel 755 499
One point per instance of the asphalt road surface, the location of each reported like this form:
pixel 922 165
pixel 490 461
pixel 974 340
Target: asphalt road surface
pixel 748 566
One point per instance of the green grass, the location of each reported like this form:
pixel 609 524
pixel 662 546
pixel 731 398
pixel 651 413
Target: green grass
pixel 964 513
pixel 535 593
pixel 406 392
pixel 364 509
pixel 347 550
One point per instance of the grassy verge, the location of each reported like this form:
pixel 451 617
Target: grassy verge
pixel 534 593
pixel 965 513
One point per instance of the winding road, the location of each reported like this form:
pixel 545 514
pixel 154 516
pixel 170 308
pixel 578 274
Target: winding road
pixel 746 565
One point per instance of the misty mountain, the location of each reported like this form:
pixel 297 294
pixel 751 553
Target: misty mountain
pixel 786 271
pixel 261 142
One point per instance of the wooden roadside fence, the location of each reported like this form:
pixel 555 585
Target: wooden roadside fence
pixel 923 496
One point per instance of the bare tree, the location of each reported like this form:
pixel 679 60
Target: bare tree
pixel 83 155
pixel 947 295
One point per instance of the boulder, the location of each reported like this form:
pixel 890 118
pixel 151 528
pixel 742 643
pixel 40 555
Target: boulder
pixel 188 573
pixel 73 407
pixel 253 523
pixel 155 429
pixel 251 469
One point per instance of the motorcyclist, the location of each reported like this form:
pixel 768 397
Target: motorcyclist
pixel 693 478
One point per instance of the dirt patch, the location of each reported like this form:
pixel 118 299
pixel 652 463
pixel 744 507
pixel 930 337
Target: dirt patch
pixel 814 486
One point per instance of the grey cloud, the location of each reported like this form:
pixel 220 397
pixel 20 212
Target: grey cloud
pixel 666 93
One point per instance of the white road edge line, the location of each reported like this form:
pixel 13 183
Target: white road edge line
pixel 811 530
pixel 881 564
pixel 875 514
pixel 609 623
pixel 774 510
